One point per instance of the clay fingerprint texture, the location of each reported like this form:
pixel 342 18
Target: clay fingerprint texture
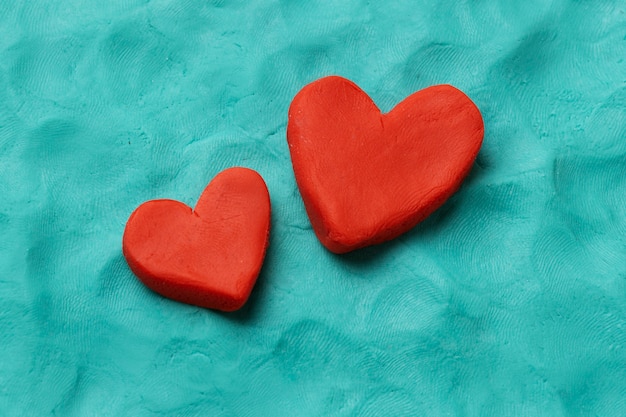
pixel 508 300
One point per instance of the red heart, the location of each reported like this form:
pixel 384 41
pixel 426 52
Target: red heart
pixel 367 177
pixel 210 256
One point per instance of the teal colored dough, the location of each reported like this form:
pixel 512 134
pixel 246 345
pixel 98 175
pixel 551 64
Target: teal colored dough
pixel 510 300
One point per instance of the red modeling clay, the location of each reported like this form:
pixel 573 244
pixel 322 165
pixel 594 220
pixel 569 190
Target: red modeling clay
pixel 367 177
pixel 210 256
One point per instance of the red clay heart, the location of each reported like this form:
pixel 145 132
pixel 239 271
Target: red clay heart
pixel 209 256
pixel 367 177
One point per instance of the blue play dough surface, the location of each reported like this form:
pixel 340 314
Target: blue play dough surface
pixel 509 301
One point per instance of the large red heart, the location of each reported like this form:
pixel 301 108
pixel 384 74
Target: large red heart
pixel 367 177
pixel 209 256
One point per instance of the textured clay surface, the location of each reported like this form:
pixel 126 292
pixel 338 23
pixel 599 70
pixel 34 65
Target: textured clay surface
pixel 367 177
pixel 509 300
pixel 209 256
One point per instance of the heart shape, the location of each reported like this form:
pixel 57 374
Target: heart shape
pixel 367 177
pixel 209 256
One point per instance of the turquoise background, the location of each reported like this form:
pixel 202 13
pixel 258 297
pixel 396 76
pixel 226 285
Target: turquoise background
pixel 509 301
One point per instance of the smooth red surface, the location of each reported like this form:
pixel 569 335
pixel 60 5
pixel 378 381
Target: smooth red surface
pixel 210 256
pixel 367 177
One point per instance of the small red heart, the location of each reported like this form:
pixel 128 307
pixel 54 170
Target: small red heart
pixel 209 256
pixel 367 177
